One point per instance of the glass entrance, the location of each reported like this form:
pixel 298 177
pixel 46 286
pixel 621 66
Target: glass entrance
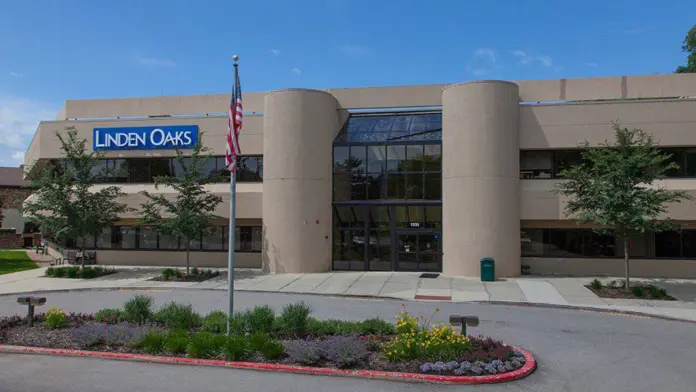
pixel 418 251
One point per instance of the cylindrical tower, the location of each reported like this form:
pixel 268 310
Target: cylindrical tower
pixel 298 130
pixel 480 177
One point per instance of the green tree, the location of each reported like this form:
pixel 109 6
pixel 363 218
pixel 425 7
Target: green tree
pixel 66 204
pixel 612 187
pixel 189 213
pixel 689 47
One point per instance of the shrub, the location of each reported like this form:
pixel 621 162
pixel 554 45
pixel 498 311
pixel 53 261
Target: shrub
pixel 614 284
pixel 293 319
pixel 138 309
pixel 71 272
pixel 205 345
pixel 152 343
pixel 303 352
pixel 195 271
pixel 169 273
pixel 177 316
pixel 55 318
pixel 638 291
pixel 50 271
pixel 273 349
pixel 376 326
pixel 59 272
pixel 257 340
pixel 236 348
pixel 656 292
pixel 238 324
pixel 344 351
pixel 113 335
pixel 215 322
pixel 109 316
pixel 596 284
pixel 176 342
pixel 417 339
pixel 259 319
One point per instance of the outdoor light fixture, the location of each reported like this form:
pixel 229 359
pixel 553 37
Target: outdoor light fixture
pixel 464 321
pixel 31 302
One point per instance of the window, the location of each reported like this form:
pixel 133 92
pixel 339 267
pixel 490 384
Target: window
pixel 139 171
pixel 123 237
pixel 168 242
pixel 536 164
pixel 147 238
pixel 160 167
pixel 563 160
pixel 213 241
pixel 566 243
pixel 248 239
pixel 249 169
pixel 667 244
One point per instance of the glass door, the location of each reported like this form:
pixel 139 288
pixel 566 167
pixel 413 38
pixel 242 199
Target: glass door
pixel 418 251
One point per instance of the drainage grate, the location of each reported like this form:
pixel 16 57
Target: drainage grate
pixel 429 275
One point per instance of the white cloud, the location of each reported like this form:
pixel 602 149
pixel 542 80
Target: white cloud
pixel 274 52
pixel 592 65
pixel 354 51
pixel 19 118
pixel 634 31
pixel 18 156
pixel 153 62
pixel 297 71
pixel 527 58
pixel 483 62
pixel 16 74
pixel 486 54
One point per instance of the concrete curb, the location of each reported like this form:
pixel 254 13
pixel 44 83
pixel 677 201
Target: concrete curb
pixel 374 297
pixel 529 366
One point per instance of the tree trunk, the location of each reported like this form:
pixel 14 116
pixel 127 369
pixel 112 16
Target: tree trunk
pixel 626 283
pixel 188 245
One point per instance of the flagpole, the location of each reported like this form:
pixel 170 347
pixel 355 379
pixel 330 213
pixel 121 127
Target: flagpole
pixel 233 225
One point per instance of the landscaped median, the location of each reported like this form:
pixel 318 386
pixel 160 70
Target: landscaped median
pixel 412 350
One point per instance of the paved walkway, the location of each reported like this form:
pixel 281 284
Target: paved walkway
pixel 402 285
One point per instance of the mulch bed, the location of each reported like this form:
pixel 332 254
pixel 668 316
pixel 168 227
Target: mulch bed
pixel 609 292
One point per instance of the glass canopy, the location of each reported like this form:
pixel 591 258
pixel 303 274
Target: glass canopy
pixel 391 127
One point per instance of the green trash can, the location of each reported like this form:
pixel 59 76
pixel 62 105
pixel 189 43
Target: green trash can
pixel 487 269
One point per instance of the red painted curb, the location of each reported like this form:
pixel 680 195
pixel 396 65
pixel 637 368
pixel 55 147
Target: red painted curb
pixel 524 371
pixel 433 297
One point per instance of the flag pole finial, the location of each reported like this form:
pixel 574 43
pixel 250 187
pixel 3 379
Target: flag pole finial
pixel 235 58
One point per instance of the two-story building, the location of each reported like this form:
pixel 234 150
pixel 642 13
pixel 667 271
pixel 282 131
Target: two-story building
pixel 408 178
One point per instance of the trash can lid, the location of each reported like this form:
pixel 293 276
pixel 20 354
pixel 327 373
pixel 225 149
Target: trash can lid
pixel 487 259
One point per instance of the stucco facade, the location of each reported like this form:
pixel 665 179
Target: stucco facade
pixel 493 133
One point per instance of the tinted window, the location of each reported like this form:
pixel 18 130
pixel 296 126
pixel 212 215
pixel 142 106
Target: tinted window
pixel 140 170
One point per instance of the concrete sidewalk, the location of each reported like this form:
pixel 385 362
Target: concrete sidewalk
pixel 554 291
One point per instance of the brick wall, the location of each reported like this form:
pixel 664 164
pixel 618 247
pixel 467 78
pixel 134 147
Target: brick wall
pixel 14 197
pixel 9 239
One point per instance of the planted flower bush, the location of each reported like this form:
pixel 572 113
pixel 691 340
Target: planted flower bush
pixel 259 334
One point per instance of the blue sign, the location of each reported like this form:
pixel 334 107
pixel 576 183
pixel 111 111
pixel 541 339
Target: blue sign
pixel 146 138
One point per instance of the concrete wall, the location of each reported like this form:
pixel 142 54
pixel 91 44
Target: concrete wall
pixel 299 129
pixel 480 177
pixel 176 259
pixel 646 268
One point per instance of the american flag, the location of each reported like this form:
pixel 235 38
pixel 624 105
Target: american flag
pixel 234 125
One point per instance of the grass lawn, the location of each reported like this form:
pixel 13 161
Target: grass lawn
pixel 15 261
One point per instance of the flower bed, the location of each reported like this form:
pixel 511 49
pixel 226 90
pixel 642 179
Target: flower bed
pixel 259 335
pixel 177 275
pixel 79 272
pixel 615 289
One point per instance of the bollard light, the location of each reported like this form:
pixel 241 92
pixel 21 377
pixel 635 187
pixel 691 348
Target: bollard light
pixel 463 321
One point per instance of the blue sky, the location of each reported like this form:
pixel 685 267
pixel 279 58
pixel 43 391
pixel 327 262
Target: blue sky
pixel 56 50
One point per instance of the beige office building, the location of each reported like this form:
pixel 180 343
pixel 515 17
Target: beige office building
pixel 409 178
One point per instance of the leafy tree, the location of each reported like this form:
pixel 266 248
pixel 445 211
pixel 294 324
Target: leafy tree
pixel 689 46
pixel 66 205
pixel 188 215
pixel 612 187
